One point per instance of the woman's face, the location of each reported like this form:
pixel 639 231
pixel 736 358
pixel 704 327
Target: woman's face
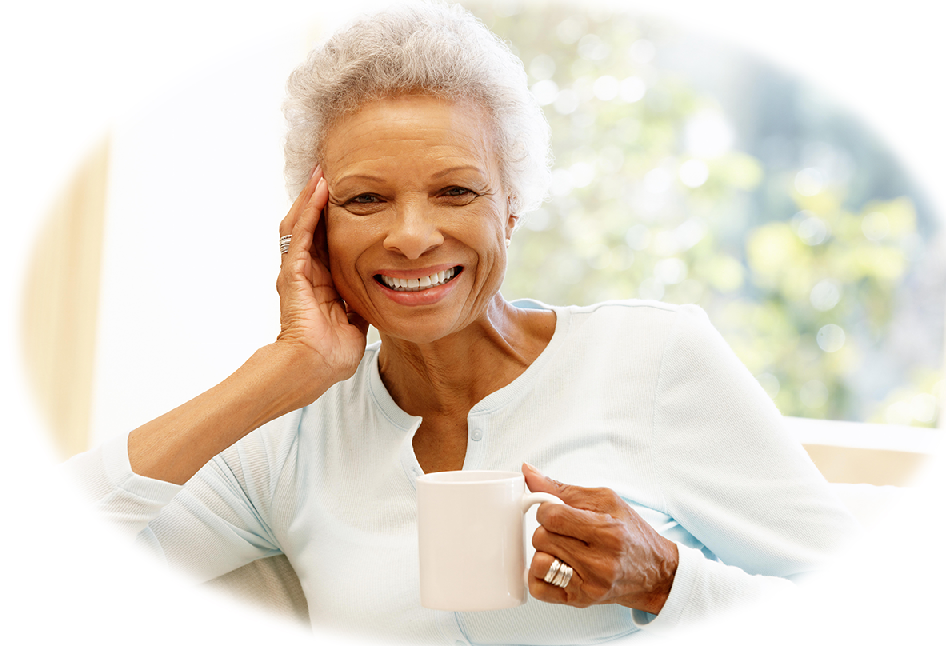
pixel 417 219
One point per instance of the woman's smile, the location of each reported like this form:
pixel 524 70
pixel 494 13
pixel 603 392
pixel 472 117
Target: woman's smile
pixel 425 281
pixel 422 288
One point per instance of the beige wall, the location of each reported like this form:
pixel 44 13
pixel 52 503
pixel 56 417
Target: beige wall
pixel 843 464
pixel 60 302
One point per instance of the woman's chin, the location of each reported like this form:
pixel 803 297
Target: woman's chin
pixel 426 316
pixel 421 326
pixel 414 332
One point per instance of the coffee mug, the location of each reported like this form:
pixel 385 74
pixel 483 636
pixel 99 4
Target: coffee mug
pixel 471 536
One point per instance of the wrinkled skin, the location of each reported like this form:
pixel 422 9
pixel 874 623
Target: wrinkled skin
pixel 615 555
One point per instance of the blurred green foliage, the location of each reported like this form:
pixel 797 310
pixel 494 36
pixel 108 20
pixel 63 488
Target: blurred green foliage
pixel 651 199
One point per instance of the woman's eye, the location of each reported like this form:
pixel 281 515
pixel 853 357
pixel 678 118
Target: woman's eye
pixel 366 198
pixel 458 191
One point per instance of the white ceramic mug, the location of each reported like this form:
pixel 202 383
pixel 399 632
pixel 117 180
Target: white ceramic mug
pixel 470 530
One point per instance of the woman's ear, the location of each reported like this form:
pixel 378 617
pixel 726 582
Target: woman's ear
pixel 512 218
pixel 510 227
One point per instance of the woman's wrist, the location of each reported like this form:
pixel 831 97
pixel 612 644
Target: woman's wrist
pixel 666 572
pixel 293 377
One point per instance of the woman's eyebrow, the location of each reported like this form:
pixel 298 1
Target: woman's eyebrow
pixel 378 179
pixel 357 176
pixel 452 169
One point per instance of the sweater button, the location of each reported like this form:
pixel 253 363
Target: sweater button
pixel 477 435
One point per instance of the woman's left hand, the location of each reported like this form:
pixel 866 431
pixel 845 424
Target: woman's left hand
pixel 616 556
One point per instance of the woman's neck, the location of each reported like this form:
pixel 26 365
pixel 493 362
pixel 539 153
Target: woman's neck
pixel 451 375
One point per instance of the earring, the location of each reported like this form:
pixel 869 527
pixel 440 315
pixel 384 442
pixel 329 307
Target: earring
pixel 508 241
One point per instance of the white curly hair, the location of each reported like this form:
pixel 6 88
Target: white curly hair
pixel 429 48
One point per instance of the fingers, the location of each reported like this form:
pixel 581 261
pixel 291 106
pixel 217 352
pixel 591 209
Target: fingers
pixel 319 247
pixel 356 319
pixel 616 556
pixel 585 525
pixel 307 219
pixel 538 482
pixel 539 589
pixel 597 573
pixel 304 197
pixel 573 497
pixel 597 499
pixel 300 222
pixel 568 548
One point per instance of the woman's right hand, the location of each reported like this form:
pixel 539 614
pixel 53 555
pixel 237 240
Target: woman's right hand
pixel 320 344
pixel 315 322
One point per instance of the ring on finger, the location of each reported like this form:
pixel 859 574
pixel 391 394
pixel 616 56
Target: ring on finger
pixel 566 577
pixel 284 243
pixel 559 574
pixel 553 571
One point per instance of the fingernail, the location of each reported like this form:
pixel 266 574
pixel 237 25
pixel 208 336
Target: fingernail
pixel 530 467
pixel 315 170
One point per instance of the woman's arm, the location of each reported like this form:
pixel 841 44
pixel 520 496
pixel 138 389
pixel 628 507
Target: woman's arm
pixel 728 472
pixel 224 517
pixel 176 445
pixel 320 343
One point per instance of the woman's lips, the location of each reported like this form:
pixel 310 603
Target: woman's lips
pixel 423 288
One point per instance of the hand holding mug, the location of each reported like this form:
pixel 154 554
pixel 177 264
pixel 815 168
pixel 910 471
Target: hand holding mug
pixel 615 555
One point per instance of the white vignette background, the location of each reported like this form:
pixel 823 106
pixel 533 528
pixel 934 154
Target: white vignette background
pixel 70 69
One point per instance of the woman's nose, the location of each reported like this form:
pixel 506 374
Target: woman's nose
pixel 413 232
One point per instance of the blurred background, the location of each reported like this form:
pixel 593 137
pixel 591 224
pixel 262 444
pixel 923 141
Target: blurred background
pixel 779 164
pixel 691 171
pixel 687 169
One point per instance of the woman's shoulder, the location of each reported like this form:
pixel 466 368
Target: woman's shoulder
pixel 654 319
pixel 634 307
pixel 639 331
pixel 626 307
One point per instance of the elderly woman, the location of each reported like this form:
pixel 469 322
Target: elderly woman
pixel 415 149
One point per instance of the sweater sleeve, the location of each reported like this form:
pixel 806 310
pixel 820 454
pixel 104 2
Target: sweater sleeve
pixel 735 478
pixel 218 521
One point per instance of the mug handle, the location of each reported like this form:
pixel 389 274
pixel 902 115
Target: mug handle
pixel 528 500
pixel 531 498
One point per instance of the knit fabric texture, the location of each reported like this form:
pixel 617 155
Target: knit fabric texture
pixel 642 397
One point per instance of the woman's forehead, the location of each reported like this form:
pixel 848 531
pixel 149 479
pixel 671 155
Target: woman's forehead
pixel 411 129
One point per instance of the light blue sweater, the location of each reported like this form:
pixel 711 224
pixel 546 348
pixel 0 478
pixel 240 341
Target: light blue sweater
pixel 642 397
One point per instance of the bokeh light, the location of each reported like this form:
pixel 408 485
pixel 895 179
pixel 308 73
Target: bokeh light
pixel 791 225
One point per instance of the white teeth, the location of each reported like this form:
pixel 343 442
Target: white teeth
pixel 418 284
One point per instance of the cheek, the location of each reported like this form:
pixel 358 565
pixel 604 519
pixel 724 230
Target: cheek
pixel 340 253
pixel 493 239
pixel 344 278
pixel 336 252
pixel 347 240
pixel 337 233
